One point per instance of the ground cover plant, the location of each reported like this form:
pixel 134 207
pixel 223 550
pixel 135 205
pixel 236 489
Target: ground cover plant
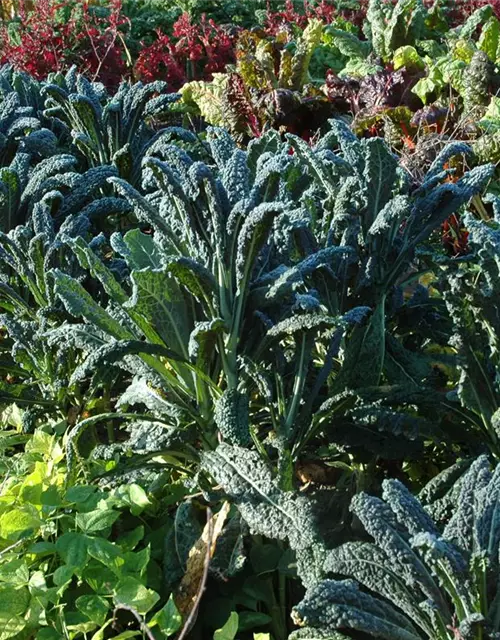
pixel 249 320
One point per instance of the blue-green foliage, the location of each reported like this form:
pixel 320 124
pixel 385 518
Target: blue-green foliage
pixel 310 250
pixel 67 134
pixel 29 308
pixel 419 579
pixel 306 249
pixel 472 295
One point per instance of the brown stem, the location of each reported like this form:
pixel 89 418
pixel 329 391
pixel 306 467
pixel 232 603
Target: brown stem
pixel 190 619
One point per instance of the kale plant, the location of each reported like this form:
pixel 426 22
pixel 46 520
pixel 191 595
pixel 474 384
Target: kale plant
pixel 110 129
pixel 471 290
pixel 313 252
pixel 37 371
pixel 361 198
pixel 417 578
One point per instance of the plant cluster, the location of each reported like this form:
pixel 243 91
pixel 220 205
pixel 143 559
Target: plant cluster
pixel 53 36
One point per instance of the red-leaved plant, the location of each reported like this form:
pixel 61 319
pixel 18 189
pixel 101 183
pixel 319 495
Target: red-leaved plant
pixel 195 52
pixel 56 35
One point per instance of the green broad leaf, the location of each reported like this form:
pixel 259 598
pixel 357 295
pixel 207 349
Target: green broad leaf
pixel 423 88
pixel 10 625
pixel 251 619
pixel 168 619
pixel 49 633
pixel 78 627
pixel 145 211
pixel 14 601
pixel 89 260
pixel 79 494
pixel 203 341
pixel 380 175
pixel 261 636
pixel 265 558
pixel 45 445
pixel 99 635
pixel 491 119
pixel 139 250
pixel 180 539
pixel 134 496
pixel 252 236
pixel 302 323
pixel 128 541
pixel 138 499
pixel 321 171
pixel 268 510
pixel 377 22
pixel 51 497
pixel 476 18
pixel 258 589
pixel 399 26
pixel 463 50
pixel 106 552
pixel 489 39
pixel 16 522
pixel 42 548
pixel 229 630
pixel 269 142
pixel 135 564
pixel 230 555
pixel 15 572
pixel 31 493
pixel 80 304
pixel 195 277
pixel 364 356
pixel 94 607
pixel 288 564
pixel 409 58
pixel 348 44
pixel 96 520
pixel 158 300
pixel 452 73
pixel 101 579
pixel 41 595
pixel 359 69
pixel 132 593
pixel 307 43
pixel 12 415
pixel 63 575
pixel 231 417
pixel 73 548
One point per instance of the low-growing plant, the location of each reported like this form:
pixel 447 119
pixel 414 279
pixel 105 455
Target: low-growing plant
pixel 76 559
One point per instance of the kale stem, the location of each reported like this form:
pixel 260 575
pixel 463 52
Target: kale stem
pixel 297 387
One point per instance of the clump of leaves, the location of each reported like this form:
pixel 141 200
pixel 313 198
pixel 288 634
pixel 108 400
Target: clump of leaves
pixel 419 578
pixel 53 36
pixel 268 89
pixel 195 52
pixel 75 559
